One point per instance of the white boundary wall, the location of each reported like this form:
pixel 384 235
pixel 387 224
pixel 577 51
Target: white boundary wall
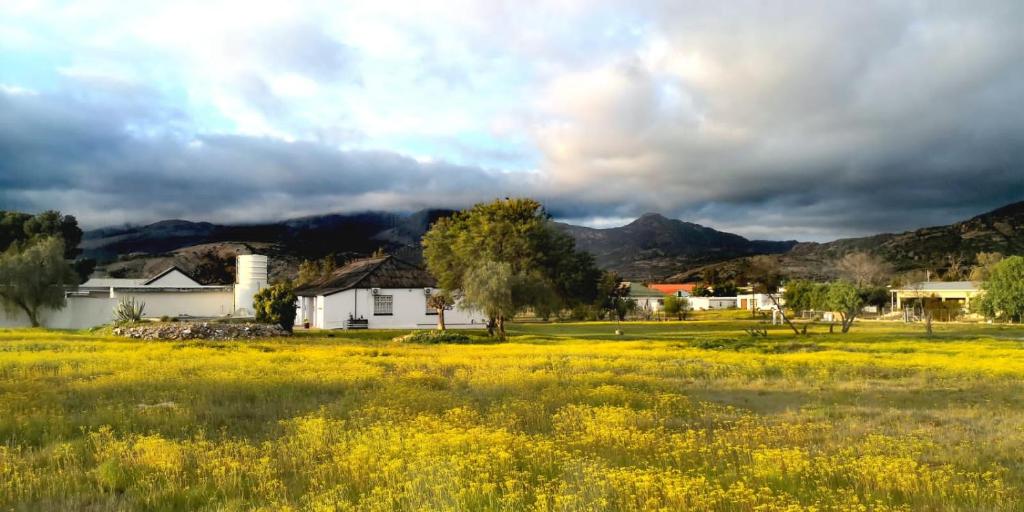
pixel 201 304
pixel 85 312
pixel 79 313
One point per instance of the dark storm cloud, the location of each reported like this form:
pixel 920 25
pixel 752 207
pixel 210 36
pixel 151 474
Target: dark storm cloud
pixel 770 119
pixel 817 119
pixel 99 162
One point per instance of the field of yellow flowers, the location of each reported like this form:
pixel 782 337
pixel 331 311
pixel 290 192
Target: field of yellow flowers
pixel 691 415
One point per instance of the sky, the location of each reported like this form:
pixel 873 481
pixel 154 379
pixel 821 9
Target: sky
pixel 808 120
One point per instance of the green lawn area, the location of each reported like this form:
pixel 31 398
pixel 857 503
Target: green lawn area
pixel 693 415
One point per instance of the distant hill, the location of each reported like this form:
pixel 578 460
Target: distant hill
pixel 132 250
pixel 653 247
pixel 931 248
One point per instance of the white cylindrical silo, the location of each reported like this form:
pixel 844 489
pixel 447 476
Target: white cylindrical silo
pixel 250 277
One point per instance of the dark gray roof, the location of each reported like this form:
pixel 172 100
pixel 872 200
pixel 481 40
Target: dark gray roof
pixel 383 272
pixel 168 271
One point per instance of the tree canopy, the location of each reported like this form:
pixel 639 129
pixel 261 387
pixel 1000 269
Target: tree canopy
pixel 516 238
pixel 18 227
pixel 839 297
pixel 34 276
pixel 1004 290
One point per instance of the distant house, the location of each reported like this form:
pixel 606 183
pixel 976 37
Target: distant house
pixel 376 293
pixel 934 293
pixel 647 299
pixel 679 290
pixel 758 301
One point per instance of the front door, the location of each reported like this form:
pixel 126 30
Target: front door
pixel 743 303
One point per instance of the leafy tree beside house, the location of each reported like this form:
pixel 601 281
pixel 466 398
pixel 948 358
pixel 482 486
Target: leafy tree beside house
pixel 1004 290
pixel 34 276
pixel 276 305
pixel 515 238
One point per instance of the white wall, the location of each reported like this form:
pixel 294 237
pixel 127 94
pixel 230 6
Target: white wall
pixel 409 311
pixel 85 312
pixel 79 313
pixel 652 304
pixel 706 303
pixel 201 304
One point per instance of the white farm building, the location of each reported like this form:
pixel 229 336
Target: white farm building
pixel 376 293
pixel 170 293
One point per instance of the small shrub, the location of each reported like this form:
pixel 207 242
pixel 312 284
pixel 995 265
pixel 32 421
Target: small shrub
pixel 128 310
pixel 724 344
pixel 276 305
pixel 434 337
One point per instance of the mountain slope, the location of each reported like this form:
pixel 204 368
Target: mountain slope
pixel 653 246
pixel 936 248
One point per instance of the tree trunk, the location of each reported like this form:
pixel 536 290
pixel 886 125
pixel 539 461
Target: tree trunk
pixel 440 319
pixel 30 313
pixel 783 314
pixel 847 322
pixel 501 328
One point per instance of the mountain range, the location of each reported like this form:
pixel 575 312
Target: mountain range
pixel 651 248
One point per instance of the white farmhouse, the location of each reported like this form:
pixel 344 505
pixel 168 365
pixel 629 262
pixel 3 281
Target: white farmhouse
pixel 376 293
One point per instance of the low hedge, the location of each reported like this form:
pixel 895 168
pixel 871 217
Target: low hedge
pixel 435 337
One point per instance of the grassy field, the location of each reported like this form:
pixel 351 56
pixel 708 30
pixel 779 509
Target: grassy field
pixel 668 416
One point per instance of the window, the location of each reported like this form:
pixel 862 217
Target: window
pixel 382 304
pixel 426 300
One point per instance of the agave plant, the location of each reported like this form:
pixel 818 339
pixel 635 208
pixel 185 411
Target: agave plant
pixel 128 310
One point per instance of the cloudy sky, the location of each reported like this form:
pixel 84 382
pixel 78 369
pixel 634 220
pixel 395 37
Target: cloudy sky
pixel 774 119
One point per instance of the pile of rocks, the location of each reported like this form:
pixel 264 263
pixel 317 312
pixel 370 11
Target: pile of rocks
pixel 199 331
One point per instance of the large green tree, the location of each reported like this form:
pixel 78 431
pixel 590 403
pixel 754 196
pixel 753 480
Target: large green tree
pixel 18 227
pixel 1004 290
pixel 34 276
pixel 519 234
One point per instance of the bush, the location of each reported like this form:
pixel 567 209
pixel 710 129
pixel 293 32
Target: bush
pixel 276 305
pixel 435 337
pixel 128 310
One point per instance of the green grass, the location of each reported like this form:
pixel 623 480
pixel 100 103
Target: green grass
pixel 693 415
